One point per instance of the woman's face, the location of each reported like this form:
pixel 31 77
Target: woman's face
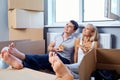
pixel 87 30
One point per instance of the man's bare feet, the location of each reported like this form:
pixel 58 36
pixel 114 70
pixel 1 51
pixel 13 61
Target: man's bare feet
pixel 60 69
pixel 12 60
pixel 12 50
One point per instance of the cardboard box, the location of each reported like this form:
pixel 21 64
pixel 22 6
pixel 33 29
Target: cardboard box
pixel 18 18
pixel 29 33
pixel 31 47
pixel 37 5
pixel 27 46
pixel 108 59
pixel 25 74
pixel 87 66
pixel 6 43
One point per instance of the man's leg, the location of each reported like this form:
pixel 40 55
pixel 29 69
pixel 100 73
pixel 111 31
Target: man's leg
pixel 60 69
pixel 33 61
pixel 37 61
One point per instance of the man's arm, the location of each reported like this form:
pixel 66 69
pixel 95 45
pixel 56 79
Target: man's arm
pixel 51 46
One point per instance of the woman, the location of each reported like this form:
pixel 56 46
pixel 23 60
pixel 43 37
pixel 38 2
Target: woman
pixel 87 41
pixel 83 45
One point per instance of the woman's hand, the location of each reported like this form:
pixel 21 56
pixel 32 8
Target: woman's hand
pixel 85 49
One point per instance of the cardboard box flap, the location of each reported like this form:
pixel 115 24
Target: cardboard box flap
pixel 108 56
pixel 87 66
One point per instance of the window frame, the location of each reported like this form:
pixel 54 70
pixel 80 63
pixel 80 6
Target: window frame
pixel 108 12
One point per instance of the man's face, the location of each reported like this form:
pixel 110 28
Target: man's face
pixel 69 28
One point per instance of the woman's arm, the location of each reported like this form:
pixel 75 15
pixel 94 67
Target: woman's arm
pixel 96 44
pixel 76 46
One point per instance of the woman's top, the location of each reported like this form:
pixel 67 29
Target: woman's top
pixel 75 66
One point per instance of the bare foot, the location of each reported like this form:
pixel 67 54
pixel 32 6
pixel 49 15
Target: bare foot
pixel 12 50
pixel 12 60
pixel 3 50
pixel 60 69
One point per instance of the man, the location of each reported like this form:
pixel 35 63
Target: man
pixel 63 45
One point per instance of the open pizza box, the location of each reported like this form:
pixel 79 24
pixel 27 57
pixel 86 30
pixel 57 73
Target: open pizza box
pixel 107 59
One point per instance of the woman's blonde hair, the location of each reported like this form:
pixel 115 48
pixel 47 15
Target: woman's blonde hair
pixel 95 35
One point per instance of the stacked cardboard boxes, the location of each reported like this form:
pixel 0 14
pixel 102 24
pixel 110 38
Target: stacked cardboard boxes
pixel 26 19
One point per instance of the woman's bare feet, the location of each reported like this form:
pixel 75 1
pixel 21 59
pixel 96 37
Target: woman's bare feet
pixel 12 50
pixel 60 69
pixel 12 60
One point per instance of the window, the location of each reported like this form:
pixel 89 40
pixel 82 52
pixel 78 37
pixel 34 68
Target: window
pixel 112 9
pixel 94 10
pixel 67 10
pixel 81 10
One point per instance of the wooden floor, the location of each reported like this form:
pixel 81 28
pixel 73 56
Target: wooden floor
pixel 25 74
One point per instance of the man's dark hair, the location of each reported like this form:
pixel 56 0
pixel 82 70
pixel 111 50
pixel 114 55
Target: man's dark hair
pixel 75 24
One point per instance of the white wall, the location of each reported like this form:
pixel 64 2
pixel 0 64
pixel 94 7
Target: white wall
pixel 3 20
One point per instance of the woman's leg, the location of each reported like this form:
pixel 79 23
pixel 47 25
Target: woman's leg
pixel 11 60
pixel 60 69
